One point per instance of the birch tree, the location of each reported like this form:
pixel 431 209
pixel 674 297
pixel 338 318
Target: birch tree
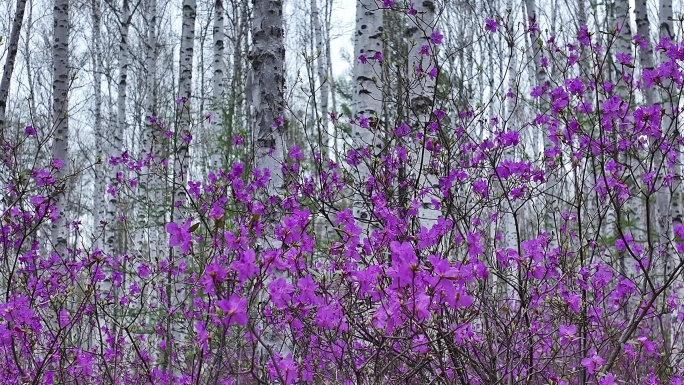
pixel 666 31
pixel 419 33
pixel 12 49
pixel 182 137
pixel 60 111
pixel 322 74
pixel 181 140
pixel 219 74
pixel 99 204
pixel 267 87
pixel 151 138
pixel 367 97
pixel 114 237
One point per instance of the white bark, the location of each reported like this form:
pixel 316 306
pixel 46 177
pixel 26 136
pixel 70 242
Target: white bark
pixel 180 165
pixel 322 75
pixel 12 48
pixel 60 109
pixel 541 78
pixel 219 73
pixel 622 22
pixel 512 121
pixel 150 139
pixel 99 203
pixel 421 27
pixel 113 245
pixel 660 215
pixel 645 55
pixel 666 23
pixel 666 30
pixel 153 218
pixel 268 83
pixel 367 98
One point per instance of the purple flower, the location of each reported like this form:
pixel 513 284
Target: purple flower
pixel 436 37
pixel 235 310
pixel 112 190
pixel 474 246
pixel 29 131
pixel 180 235
pixel 624 58
pixel 194 188
pixel 575 86
pixel 491 25
pixel 583 35
pixel 608 379
pixel 363 59
pixel 402 130
pixel 593 362
pixel 567 334
pixel 237 140
pixel 296 153
pixel 679 230
pixel 279 122
pixel 480 187
pixel 537 92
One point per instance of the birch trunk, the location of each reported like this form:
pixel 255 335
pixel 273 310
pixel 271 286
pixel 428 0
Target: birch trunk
pixel 99 203
pixel 152 184
pixel 150 138
pixel 666 19
pixel 268 83
pixel 512 121
pixel 624 30
pixel 660 216
pixel 668 216
pixel 645 55
pixel 267 102
pixel 113 240
pixel 421 27
pixel 234 113
pixel 12 49
pixel 541 78
pixel 184 94
pixel 328 57
pixel 541 75
pixel 322 73
pixel 219 73
pixel 180 170
pixel 666 31
pixel 622 44
pixel 60 109
pixel 367 97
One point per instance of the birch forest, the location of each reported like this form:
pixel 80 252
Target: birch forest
pixel 339 192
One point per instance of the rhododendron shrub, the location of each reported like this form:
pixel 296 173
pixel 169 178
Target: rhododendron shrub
pixel 248 291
